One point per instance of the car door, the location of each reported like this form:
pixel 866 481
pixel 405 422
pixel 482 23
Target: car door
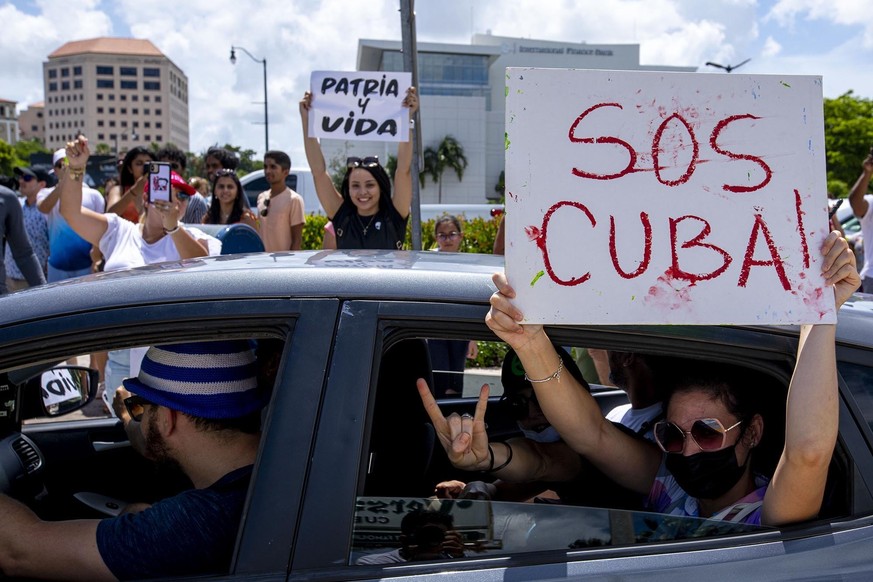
pixel 343 515
pixel 93 455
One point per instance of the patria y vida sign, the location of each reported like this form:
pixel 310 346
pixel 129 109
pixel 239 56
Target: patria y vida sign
pixel 681 198
pixel 359 105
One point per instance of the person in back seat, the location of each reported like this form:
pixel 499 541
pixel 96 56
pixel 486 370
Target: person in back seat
pixel 708 436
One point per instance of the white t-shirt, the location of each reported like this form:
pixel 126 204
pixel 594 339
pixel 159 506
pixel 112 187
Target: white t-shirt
pixel 124 247
pixel 635 418
pixel 867 235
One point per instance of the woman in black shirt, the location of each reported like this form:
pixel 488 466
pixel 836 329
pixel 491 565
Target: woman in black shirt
pixel 364 214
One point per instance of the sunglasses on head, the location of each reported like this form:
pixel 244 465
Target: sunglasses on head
pixel 709 434
pixel 136 406
pixel 224 172
pixel 368 162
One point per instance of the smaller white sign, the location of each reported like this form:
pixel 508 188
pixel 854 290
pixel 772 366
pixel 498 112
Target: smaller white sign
pixel 359 105
pixel 58 386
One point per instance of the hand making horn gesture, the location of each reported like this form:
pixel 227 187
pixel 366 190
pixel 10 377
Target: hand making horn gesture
pixel 462 436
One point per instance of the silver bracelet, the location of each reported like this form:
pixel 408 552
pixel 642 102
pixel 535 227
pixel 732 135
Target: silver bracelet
pixel 174 231
pixel 555 376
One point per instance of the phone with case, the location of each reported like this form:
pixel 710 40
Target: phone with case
pixel 158 181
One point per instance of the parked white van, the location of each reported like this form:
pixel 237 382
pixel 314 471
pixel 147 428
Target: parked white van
pixel 299 180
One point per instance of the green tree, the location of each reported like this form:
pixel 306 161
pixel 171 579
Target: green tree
pixel 25 148
pixel 247 161
pixel 103 149
pixel 848 138
pixel 448 154
pixel 9 160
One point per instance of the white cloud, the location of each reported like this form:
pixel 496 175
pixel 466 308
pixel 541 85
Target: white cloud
pixel 299 36
pixel 771 47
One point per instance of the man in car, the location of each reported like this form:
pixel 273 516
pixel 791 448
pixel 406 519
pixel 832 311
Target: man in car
pixel 195 405
pixel 861 206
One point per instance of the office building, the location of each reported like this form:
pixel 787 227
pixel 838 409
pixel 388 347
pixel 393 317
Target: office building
pixel 117 91
pixel 462 95
pixel 8 121
pixel 31 123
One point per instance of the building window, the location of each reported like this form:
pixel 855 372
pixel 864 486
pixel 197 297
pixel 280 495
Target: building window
pixel 151 85
pixel 145 97
pixel 105 84
pixel 135 111
pixel 77 70
pixel 112 110
pixel 101 136
pixel 159 125
pixel 147 124
pixel 136 123
pixel 65 72
pixel 99 110
pixel 53 73
pixel 53 86
pixel 65 85
pixel 77 84
pixel 159 138
pixel 158 111
pixel 99 96
pixel 99 123
pixel 134 97
pixel 112 96
pixel 127 71
pixel 128 84
pixel 112 123
pixel 123 124
pixel 123 96
pixel 124 111
pixel 151 72
pixel 157 98
pixel 148 137
pixel 104 70
pixel 146 111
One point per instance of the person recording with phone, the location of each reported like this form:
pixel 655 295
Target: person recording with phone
pixel 862 208
pixel 157 238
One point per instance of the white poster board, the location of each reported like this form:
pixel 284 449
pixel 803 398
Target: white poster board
pixel 680 198
pixel 359 105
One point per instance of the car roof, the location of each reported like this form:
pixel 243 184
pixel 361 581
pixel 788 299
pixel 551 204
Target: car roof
pixel 421 276
pixel 402 275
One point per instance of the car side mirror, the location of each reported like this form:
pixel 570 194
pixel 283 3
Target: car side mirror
pixel 65 388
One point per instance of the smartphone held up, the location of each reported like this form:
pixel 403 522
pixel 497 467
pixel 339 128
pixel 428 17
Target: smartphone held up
pixel 158 184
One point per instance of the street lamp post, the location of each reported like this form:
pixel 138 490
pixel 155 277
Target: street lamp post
pixel 123 136
pixel 263 62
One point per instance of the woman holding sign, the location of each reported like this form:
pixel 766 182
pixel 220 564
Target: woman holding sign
pixel 364 214
pixel 702 463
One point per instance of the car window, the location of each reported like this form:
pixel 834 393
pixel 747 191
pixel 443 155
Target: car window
pixel 409 483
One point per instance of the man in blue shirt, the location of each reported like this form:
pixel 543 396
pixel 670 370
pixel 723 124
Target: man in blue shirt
pixel 203 417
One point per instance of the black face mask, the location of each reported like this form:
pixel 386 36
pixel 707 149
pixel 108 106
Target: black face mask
pixel 706 475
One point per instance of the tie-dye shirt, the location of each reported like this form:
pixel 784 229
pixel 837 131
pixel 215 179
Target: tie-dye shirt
pixel 666 496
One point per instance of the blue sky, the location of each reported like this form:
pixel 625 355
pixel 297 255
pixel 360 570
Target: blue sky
pixel 832 38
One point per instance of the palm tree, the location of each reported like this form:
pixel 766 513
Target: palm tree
pixel 449 154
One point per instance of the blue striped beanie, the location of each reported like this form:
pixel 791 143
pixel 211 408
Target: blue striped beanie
pixel 205 379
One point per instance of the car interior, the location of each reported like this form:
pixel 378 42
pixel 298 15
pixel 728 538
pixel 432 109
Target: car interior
pixel 401 473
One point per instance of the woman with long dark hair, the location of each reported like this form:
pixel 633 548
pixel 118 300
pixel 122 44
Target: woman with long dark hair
pixel 125 199
pixel 228 201
pixel 364 214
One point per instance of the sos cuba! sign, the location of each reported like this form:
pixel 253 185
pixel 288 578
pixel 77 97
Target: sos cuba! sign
pixel 642 197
